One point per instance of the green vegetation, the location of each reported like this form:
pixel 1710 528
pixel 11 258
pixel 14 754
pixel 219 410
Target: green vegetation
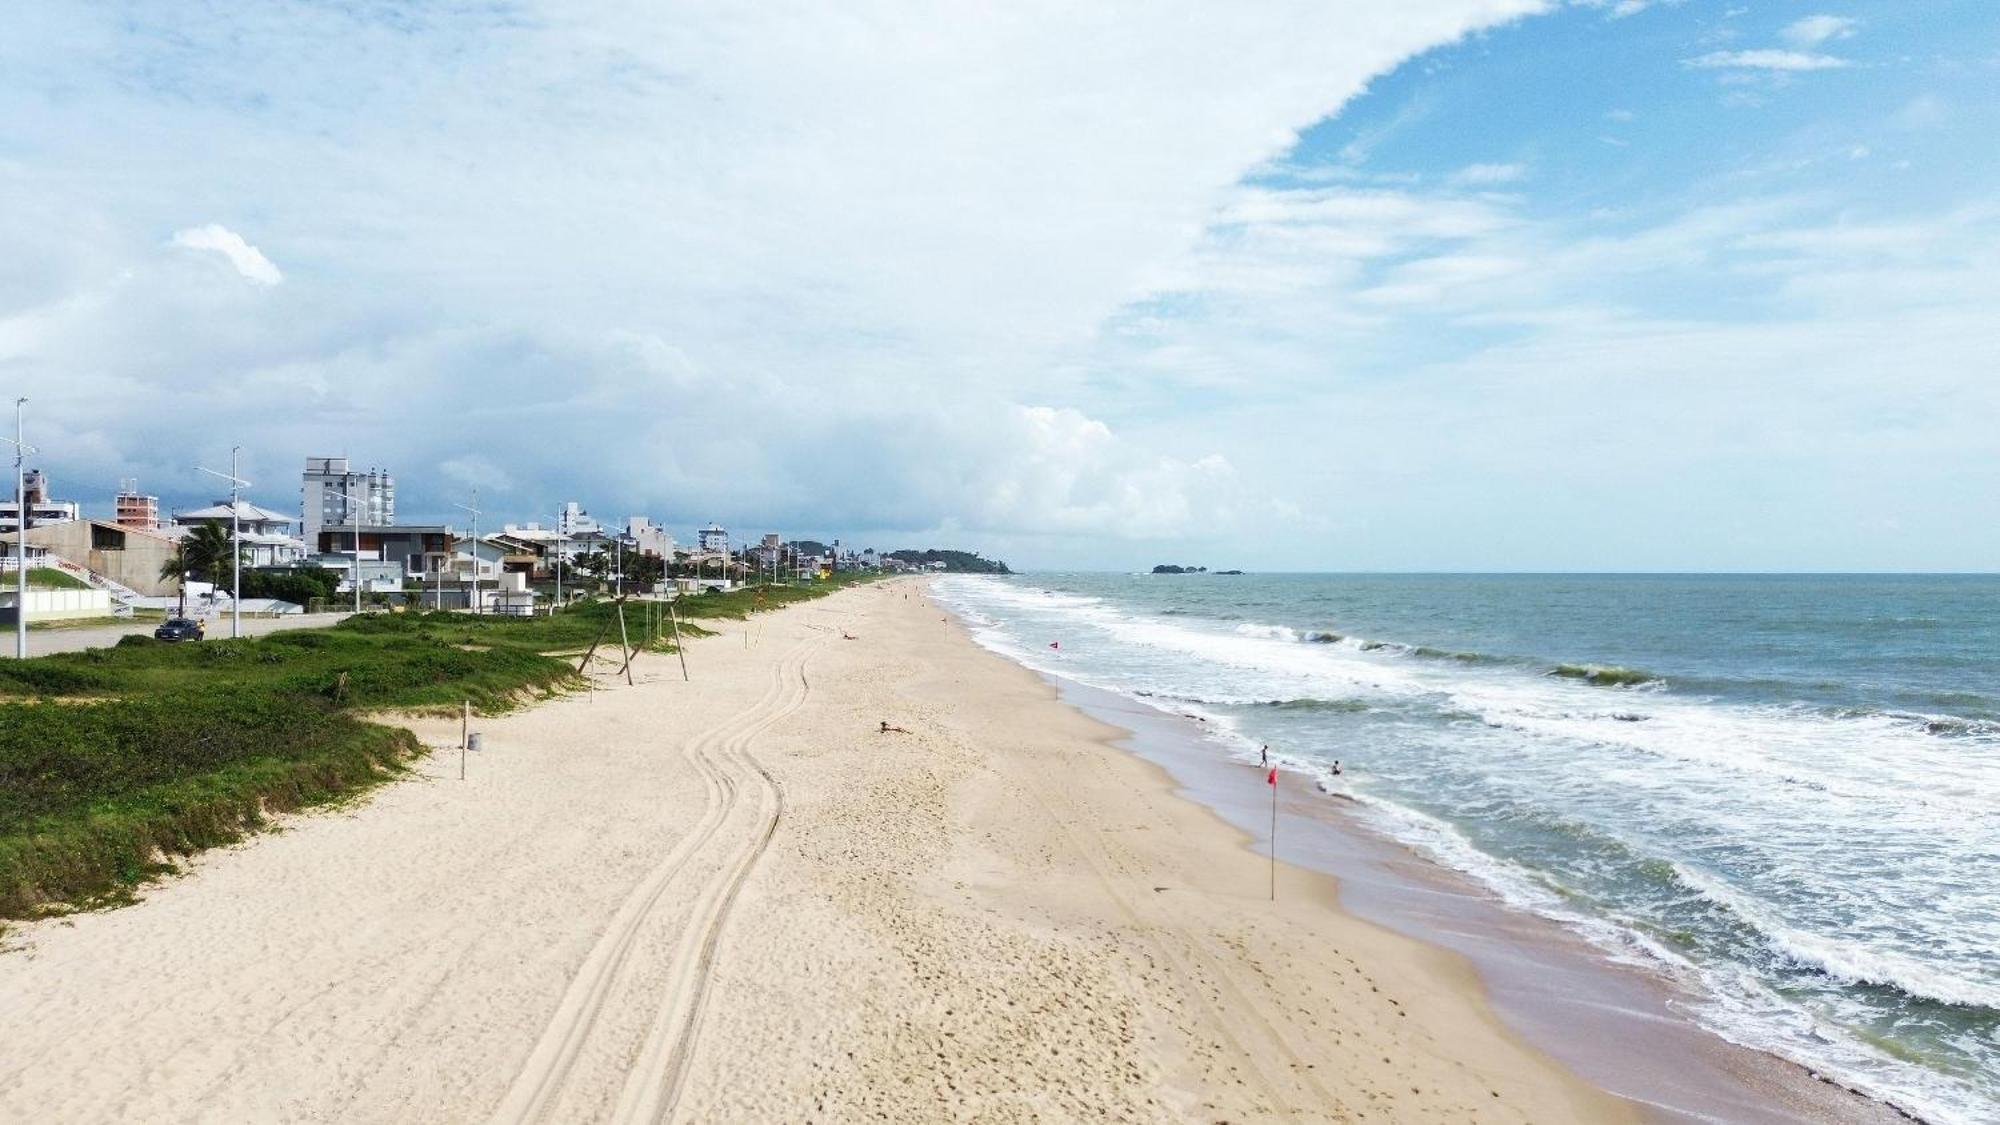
pixel 741 603
pixel 49 578
pixel 300 586
pixel 115 761
pixel 955 562
pixel 203 555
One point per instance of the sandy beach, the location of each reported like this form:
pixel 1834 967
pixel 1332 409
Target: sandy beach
pixel 737 899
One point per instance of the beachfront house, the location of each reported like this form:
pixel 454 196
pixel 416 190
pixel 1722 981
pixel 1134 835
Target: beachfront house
pixel 267 535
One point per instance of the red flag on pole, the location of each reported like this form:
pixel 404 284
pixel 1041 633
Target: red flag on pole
pixel 1273 778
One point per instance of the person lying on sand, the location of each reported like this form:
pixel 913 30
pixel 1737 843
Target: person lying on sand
pixel 887 729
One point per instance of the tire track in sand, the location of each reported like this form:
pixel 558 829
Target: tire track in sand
pixel 653 1085
pixel 536 1090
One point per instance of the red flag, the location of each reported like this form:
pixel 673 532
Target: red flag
pixel 1273 779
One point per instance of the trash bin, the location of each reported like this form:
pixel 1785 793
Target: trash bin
pixel 472 741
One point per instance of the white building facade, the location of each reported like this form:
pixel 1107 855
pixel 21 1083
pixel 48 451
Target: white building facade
pixel 41 509
pixel 333 495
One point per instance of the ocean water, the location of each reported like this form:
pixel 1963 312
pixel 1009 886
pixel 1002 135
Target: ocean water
pixel 1781 791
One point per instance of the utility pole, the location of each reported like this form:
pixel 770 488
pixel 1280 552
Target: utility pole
pixel 474 509
pixel 21 451
pixel 236 484
pixel 559 558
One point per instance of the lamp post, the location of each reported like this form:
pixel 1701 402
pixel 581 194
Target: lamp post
pixel 474 509
pixel 21 451
pixel 559 558
pixel 236 483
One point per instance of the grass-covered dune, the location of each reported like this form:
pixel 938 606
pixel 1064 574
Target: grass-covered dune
pixel 115 761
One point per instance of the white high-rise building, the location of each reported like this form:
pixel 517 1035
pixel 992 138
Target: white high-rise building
pixel 574 521
pixel 333 496
pixel 713 539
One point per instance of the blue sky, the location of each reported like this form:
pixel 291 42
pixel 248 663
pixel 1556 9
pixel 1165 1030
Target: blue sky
pixel 1426 284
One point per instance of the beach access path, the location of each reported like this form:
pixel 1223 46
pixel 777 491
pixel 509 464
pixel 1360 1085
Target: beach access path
pixel 738 899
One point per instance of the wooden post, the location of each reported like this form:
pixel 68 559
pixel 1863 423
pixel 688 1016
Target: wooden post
pixel 592 650
pixel 674 616
pixel 464 737
pixel 624 643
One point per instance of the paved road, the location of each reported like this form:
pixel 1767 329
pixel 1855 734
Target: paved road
pixel 42 642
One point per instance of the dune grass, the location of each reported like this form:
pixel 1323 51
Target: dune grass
pixel 114 762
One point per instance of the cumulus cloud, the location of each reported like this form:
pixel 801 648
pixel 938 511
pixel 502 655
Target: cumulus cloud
pixel 216 238
pixel 725 265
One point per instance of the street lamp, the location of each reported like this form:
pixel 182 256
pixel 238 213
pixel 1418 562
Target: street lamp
pixel 235 539
pixel 560 539
pixel 474 509
pixel 21 451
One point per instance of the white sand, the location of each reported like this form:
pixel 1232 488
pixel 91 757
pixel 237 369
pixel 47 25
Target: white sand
pixel 735 900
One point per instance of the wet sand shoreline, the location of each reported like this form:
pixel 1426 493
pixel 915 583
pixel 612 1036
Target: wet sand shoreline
pixel 1620 1027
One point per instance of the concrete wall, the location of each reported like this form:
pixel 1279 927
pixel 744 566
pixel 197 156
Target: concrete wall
pixel 57 605
pixel 125 555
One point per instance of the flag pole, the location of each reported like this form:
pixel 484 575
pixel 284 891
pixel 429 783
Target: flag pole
pixel 1274 833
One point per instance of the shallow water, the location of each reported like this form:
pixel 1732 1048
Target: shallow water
pixel 1781 790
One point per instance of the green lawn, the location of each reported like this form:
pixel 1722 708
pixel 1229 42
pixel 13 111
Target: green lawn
pixel 49 578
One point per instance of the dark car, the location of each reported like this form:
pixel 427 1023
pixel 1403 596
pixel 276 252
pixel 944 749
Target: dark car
pixel 178 629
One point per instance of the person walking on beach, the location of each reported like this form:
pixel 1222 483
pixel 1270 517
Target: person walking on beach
pixel 1264 754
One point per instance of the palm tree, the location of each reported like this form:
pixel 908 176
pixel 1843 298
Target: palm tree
pixel 203 554
pixel 176 568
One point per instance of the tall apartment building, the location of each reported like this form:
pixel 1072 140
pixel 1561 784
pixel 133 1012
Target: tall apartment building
pixel 41 509
pixel 333 496
pixel 135 509
pixel 573 521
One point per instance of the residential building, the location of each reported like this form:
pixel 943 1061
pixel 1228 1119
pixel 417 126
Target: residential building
pixel 333 495
pixel 267 535
pixel 135 509
pixel 574 522
pixel 713 539
pixel 481 559
pixel 41 509
pixel 648 538
pixel 390 553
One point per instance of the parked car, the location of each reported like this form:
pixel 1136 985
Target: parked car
pixel 179 629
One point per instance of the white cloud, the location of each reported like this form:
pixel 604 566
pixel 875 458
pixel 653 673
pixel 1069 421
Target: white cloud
pixel 786 262
pixel 476 472
pixel 1812 31
pixel 1766 59
pixel 1486 174
pixel 248 260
